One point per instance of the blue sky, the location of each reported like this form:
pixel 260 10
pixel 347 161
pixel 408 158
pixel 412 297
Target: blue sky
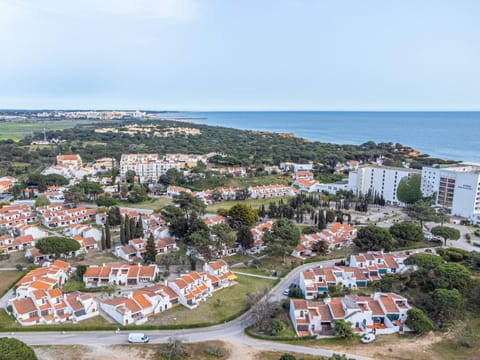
pixel 240 55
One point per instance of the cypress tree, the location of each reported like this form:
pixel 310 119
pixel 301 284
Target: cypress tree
pixel 322 224
pixel 133 228
pixel 103 245
pixel 122 234
pixel 127 229
pixel 151 252
pixel 139 227
pixel 108 236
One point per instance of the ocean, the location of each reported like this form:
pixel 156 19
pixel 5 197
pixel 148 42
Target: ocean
pixel 448 135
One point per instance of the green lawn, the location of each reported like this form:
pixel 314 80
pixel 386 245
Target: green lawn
pixel 269 264
pixel 153 204
pixel 223 305
pixel 18 130
pixel 254 203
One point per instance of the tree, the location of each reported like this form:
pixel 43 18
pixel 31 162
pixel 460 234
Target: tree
pixel 138 193
pixel 296 293
pixel 447 304
pixel 108 236
pixel 406 232
pixel 425 261
pixel 130 176
pixel 330 216
pixel 114 217
pixel 373 238
pixel 103 245
pixel 139 228
pixel 408 190
pixel 243 214
pixel 41 200
pixel 322 222
pixel 320 247
pixel 276 327
pixel 282 238
pixel 126 229
pixel 245 237
pixel 80 271
pixel 224 234
pixel 168 259
pixel 150 251
pixel 107 201
pixel 74 195
pixel 174 349
pixel 57 245
pixel 452 276
pixel 342 329
pixel 14 349
pixel 421 211
pixel 446 233
pixel 418 321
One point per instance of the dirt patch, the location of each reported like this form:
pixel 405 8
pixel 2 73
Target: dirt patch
pixel 394 347
pixel 79 352
pixel 242 352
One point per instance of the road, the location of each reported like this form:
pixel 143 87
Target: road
pixel 232 331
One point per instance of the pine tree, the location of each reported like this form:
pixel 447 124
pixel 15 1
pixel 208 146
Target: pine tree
pixel 108 236
pixel 151 252
pixel 103 245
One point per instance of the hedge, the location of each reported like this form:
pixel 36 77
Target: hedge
pixel 255 335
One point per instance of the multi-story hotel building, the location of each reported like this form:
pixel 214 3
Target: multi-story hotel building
pixel 148 167
pixel 455 187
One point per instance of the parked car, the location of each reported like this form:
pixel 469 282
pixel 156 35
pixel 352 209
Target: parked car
pixel 286 292
pixel 292 285
pixel 367 338
pixel 138 338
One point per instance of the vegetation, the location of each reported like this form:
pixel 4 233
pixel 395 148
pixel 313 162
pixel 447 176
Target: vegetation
pixel 408 190
pixel 282 238
pixel 14 349
pixel 342 329
pixel 406 233
pixel 446 233
pixel 418 322
pixel 174 349
pixel 374 238
pixel 243 215
pixel 57 245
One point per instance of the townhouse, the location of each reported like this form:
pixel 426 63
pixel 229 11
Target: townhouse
pixel 57 215
pixel 336 235
pixel 137 305
pixel 176 190
pixel 12 215
pixel 84 231
pixel 375 264
pixel 10 243
pixel 308 185
pixel 381 313
pixel 257 233
pixel 315 282
pixel 220 270
pixel 271 191
pixel 39 300
pixel 119 274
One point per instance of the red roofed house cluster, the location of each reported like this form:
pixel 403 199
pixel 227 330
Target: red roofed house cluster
pixel 119 274
pixel 314 282
pixel 381 313
pixel 376 264
pixel 12 215
pixel 57 215
pixel 39 300
pixel 336 235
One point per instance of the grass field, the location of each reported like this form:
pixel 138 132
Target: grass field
pixel 270 264
pixel 222 305
pixel 153 204
pixel 284 179
pixel 18 130
pixel 254 203
pixel 9 277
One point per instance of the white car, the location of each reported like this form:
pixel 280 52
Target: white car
pixel 367 338
pixel 286 292
pixel 137 338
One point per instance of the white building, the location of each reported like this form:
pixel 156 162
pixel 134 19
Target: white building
pixel 380 180
pixel 455 187
pixel 148 167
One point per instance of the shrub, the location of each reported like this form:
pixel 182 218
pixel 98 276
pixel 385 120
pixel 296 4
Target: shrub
pixel 213 350
pixel 276 327
pixel 287 357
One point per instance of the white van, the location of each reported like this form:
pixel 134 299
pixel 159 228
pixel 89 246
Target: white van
pixel 137 338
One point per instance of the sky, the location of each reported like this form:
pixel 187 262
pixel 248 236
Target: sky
pixel 240 55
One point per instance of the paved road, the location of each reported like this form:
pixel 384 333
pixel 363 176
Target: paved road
pixel 256 275
pixel 232 331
